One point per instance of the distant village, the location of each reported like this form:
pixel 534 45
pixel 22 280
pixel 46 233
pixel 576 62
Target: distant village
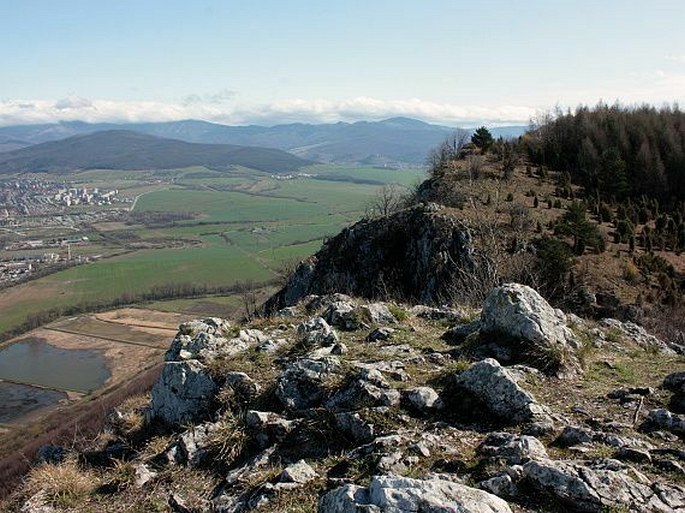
pixel 28 205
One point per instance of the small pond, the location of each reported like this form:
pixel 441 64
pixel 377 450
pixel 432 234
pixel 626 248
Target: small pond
pixel 32 360
pixel 18 400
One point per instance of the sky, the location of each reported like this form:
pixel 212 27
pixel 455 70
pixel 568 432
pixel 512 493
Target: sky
pixel 453 62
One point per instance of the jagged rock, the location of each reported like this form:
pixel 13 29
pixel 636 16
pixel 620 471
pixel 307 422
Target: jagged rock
pixel 268 427
pixel 317 332
pixel 513 449
pixel 596 488
pixel 300 472
pixel 630 393
pixel 300 385
pixel 502 485
pixel 387 494
pixel 518 313
pixel 416 253
pixel 368 389
pixel 491 384
pixel 377 313
pixel 423 399
pixel 342 314
pixel 539 429
pixel 382 333
pixel 637 334
pixel 574 435
pixel 203 346
pixel 394 369
pixel 353 425
pixel 271 345
pixel 183 393
pixel 211 325
pixel 190 447
pixel 663 419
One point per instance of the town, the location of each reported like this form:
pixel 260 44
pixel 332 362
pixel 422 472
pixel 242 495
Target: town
pixel 41 224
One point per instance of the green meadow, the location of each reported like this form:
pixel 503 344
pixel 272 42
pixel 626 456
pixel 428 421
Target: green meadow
pixel 240 226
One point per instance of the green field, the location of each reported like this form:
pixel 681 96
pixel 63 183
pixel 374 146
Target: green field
pixel 244 227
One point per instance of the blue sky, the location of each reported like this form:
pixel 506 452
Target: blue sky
pixel 266 62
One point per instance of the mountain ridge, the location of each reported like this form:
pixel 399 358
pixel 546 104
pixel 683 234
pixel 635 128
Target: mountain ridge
pixel 393 141
pixel 126 149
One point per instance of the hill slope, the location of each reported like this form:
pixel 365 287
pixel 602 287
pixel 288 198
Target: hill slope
pixel 392 141
pixel 123 149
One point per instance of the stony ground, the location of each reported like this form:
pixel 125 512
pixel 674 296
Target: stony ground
pixel 338 405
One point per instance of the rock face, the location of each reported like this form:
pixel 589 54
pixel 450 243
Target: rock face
pixel 492 385
pixel 185 389
pixel 413 254
pixel 387 494
pixel 183 393
pixel 519 313
pixel 600 487
pixel 300 384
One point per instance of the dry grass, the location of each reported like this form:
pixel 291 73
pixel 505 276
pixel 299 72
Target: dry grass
pixel 63 486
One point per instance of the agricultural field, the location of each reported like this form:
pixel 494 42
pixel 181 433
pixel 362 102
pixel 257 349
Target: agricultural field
pixel 203 228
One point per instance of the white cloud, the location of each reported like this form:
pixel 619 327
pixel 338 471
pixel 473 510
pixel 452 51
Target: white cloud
pixel 212 107
pixel 680 59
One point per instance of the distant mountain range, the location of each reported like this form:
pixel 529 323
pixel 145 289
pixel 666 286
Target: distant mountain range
pixel 124 149
pixel 395 141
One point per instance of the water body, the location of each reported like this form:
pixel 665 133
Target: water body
pixel 19 400
pixel 33 360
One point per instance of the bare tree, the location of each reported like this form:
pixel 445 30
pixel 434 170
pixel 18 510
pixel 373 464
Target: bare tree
pixel 388 199
pixel 443 158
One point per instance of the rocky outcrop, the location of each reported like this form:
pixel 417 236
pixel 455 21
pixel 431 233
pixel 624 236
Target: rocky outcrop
pixel 182 393
pixel 300 385
pixel 599 487
pixel 388 494
pixel 516 315
pixel 185 389
pixel 494 387
pixel 415 254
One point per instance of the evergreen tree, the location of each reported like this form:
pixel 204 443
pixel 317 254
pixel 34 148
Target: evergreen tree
pixel 482 139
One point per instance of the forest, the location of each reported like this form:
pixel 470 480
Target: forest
pixel 616 152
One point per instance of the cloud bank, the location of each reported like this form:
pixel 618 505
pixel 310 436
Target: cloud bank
pixel 221 108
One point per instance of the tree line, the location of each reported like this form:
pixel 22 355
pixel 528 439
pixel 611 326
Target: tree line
pixel 616 152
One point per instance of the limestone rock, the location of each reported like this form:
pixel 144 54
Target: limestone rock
pixel 300 472
pixel 519 313
pixel 513 449
pixel 423 399
pixel 596 488
pixel 377 313
pixel 637 334
pixel 317 332
pixel 342 314
pixel 191 445
pixel 387 494
pixel 300 385
pixel 490 383
pixel 382 333
pixel 367 390
pixel 663 419
pixel 268 427
pixel 183 393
